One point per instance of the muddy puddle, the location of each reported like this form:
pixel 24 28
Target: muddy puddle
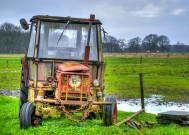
pixel 11 93
pixel 153 105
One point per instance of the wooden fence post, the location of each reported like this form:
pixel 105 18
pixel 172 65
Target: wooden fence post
pixel 7 65
pixel 141 91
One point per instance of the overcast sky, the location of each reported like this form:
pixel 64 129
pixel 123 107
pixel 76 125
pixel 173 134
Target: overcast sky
pixel 121 18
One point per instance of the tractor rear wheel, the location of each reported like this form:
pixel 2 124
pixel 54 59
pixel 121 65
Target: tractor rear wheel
pixel 110 111
pixel 23 94
pixel 23 97
pixel 28 117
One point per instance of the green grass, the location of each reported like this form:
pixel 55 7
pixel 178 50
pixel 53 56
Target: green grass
pixel 9 124
pixel 164 76
pixel 10 71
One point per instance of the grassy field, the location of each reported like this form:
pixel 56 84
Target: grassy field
pixel 9 124
pixel 166 76
pixel 163 76
pixel 10 71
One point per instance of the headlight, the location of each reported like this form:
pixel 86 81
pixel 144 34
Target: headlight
pixel 75 81
pixel 50 80
pixel 96 83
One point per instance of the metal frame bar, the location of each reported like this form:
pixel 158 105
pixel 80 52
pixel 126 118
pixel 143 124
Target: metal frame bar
pixel 63 102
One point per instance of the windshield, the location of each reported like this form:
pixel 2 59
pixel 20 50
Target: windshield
pixel 70 45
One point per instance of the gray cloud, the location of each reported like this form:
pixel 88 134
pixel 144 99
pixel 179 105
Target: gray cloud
pixel 149 10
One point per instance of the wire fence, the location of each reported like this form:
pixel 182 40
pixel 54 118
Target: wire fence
pixel 173 88
pixel 10 65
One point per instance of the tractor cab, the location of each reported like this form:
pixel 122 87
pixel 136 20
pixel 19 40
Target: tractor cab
pixel 63 71
pixel 63 38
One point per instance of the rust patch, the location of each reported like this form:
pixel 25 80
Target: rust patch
pixel 64 87
pixel 71 66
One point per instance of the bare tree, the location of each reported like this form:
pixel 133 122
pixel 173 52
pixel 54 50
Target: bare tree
pixel 163 42
pixel 134 44
pixel 12 39
pixel 122 45
pixel 149 43
pixel 111 45
pixel 179 47
pixel 9 34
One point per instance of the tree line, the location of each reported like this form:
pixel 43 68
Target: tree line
pixel 15 41
pixel 150 43
pixel 12 39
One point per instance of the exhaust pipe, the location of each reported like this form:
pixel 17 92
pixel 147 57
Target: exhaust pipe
pixel 87 47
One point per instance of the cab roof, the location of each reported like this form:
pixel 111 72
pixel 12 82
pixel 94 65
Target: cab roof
pixel 62 19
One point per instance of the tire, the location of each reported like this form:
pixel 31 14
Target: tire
pixel 110 111
pixel 23 94
pixel 28 117
pixel 23 98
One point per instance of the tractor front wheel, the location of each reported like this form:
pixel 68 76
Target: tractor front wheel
pixel 28 117
pixel 23 97
pixel 110 111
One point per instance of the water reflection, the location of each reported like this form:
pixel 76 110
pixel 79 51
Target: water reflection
pixel 153 105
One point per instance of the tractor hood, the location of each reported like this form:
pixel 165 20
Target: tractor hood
pixel 71 66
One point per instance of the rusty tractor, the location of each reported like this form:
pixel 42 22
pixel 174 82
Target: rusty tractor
pixel 63 71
